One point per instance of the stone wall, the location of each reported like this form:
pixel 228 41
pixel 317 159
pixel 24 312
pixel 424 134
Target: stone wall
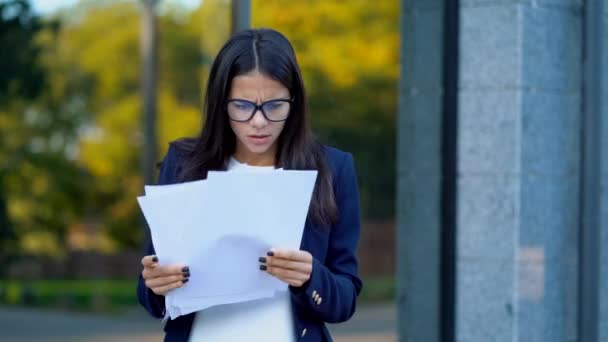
pixel 519 153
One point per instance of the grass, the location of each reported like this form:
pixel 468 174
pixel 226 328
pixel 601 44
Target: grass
pixel 114 296
pixel 80 295
pixel 378 289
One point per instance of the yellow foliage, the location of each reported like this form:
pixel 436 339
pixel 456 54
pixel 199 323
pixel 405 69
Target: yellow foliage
pixel 211 21
pixel 345 40
pixel 19 209
pixel 105 44
pixel 40 241
pixel 109 146
pixel 175 120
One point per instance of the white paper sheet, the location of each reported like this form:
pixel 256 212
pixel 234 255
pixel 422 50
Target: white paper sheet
pixel 220 227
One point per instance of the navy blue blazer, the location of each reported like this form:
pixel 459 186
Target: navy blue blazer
pixel 330 294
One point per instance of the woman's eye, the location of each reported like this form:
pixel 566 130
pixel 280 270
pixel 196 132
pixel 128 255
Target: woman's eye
pixel 273 106
pixel 242 105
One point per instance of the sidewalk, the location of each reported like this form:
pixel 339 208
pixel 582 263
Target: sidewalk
pixel 371 323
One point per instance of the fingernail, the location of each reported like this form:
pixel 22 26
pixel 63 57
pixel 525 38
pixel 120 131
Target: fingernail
pixel 185 280
pixel 186 274
pixel 155 259
pixel 263 267
pixel 262 259
pixel 270 253
pixel 186 269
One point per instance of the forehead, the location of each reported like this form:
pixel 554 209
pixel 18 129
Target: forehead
pixel 255 85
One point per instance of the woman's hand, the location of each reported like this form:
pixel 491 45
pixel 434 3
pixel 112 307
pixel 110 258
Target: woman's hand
pixel 162 279
pixel 289 265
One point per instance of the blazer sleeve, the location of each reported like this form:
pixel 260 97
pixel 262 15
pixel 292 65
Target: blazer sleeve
pixel 153 303
pixel 331 292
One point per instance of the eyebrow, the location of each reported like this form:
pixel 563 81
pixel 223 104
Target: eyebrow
pixel 272 99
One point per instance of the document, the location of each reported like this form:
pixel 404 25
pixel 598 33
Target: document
pixel 220 226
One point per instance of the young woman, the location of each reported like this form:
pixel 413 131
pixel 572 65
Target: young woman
pixel 255 115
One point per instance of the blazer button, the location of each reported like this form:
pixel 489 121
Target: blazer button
pixel 303 332
pixel 314 294
pixel 319 300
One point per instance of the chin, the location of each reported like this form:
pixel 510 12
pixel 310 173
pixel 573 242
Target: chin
pixel 258 149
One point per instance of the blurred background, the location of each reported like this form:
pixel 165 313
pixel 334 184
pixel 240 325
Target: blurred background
pixel 72 127
pixel 478 130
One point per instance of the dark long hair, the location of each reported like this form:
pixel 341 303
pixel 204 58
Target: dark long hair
pixel 270 53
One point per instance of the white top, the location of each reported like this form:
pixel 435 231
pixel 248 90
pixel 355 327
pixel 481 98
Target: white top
pixel 213 324
pixel 235 165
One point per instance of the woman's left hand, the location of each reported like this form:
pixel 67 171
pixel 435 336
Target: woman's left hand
pixel 289 265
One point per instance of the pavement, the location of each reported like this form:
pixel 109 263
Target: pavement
pixel 371 322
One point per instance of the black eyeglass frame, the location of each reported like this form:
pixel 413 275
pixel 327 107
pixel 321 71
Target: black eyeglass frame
pixel 259 107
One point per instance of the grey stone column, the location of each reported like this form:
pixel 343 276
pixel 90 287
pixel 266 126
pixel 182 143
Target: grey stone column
pixel 604 181
pixel 518 186
pixel 419 168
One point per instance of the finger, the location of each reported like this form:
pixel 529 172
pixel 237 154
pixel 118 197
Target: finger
pixel 149 273
pixel 163 281
pixel 290 254
pixel 288 264
pixel 283 273
pixel 164 289
pixel 149 260
pixel 165 271
pixel 170 270
pixel 293 282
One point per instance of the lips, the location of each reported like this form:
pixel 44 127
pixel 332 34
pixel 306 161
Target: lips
pixel 259 139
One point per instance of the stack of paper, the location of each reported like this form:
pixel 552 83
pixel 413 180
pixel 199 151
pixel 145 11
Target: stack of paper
pixel 219 227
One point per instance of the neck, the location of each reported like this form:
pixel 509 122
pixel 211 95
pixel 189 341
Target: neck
pixel 254 159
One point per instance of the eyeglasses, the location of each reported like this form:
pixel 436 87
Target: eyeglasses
pixel 273 110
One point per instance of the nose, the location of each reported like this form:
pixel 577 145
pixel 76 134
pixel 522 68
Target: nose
pixel 258 120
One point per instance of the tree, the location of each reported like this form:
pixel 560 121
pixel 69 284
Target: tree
pixel 20 74
pixel 102 50
pixel 38 180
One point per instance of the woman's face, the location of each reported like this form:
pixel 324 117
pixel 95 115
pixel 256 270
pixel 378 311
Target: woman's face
pixel 256 139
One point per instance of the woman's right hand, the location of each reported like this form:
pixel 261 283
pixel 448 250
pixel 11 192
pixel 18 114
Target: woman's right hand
pixel 162 279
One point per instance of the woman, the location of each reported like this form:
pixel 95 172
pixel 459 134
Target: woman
pixel 255 109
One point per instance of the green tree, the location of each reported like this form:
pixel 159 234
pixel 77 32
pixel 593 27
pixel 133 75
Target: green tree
pixel 20 73
pixel 101 49
pixel 19 76
pixel 40 188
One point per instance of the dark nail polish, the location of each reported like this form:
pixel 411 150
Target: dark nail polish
pixel 155 259
pixel 186 274
pixel 270 253
pixel 185 280
pixel 262 259
pixel 186 269
pixel 263 267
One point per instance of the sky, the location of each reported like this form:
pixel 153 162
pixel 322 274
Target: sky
pixel 48 6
